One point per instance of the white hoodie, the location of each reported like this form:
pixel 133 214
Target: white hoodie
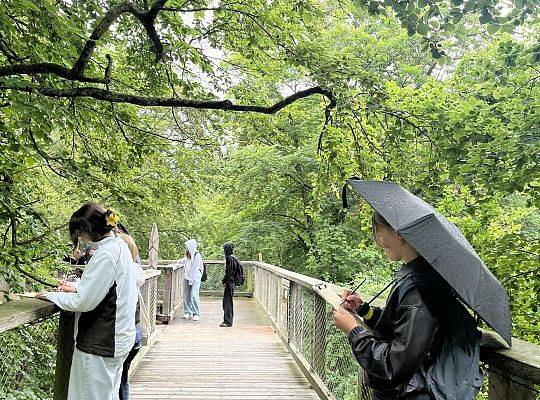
pixel 193 267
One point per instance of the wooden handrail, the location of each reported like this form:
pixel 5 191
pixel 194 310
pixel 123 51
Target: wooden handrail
pixel 25 311
pixel 521 363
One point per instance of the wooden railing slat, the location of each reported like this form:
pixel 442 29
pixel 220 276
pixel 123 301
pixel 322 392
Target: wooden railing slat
pixel 24 311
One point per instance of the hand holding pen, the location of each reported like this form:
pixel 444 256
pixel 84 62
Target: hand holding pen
pixel 351 299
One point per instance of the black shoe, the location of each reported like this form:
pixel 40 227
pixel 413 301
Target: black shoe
pixel 225 325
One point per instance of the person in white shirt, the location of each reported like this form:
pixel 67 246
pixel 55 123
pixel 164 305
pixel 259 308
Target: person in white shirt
pixel 193 270
pixel 104 304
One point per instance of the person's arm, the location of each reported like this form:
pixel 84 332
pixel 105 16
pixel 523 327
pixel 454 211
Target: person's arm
pixel 228 270
pixel 397 359
pixel 370 314
pixel 140 276
pixel 182 261
pixel 196 268
pixel 97 279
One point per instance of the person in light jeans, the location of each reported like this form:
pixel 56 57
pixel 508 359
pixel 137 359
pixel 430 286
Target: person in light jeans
pixel 193 270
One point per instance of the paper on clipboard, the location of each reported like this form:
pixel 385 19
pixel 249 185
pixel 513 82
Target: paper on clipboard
pixel 28 294
pixel 334 299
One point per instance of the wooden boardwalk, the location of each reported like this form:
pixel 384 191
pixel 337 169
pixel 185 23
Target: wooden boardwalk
pixel 200 360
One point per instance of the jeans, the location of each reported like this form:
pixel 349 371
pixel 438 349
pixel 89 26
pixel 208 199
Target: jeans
pixel 124 382
pixel 191 297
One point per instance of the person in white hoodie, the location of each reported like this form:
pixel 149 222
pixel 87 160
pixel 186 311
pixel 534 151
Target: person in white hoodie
pixel 104 304
pixel 193 270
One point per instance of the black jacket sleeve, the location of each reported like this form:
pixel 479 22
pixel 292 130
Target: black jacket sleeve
pixel 377 311
pixel 228 271
pixel 397 359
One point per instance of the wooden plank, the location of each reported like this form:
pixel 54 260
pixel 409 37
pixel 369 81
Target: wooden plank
pixel 522 360
pixel 146 348
pixel 200 360
pixel 20 312
pixel 150 273
pixel 505 386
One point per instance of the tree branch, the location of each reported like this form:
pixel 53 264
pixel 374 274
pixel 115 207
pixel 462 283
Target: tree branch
pixel 227 105
pixel 76 72
pixel 39 237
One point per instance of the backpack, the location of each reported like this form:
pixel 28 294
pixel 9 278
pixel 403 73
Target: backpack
pixel 204 276
pixel 455 372
pixel 239 279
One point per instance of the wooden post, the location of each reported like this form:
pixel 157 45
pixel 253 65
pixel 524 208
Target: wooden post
pixel 153 247
pixel 319 336
pixel 64 353
pixel 504 386
pixel 260 257
pixel 359 384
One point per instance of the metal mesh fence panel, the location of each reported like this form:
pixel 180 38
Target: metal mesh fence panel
pixel 27 360
pixel 215 272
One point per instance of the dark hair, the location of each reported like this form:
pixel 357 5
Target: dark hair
pixel 377 220
pixel 90 219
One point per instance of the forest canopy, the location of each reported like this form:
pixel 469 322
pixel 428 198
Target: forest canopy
pixel 241 120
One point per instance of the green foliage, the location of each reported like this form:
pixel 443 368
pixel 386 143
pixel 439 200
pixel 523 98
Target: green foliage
pixel 462 131
pixel 28 360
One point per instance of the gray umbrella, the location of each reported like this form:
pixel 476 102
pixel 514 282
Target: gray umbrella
pixel 442 244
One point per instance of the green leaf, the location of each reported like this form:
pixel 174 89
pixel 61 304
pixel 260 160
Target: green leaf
pixel 492 28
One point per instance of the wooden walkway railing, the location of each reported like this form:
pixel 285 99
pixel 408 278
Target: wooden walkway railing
pixel 301 318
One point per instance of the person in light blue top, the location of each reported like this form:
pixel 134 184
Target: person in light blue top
pixel 193 270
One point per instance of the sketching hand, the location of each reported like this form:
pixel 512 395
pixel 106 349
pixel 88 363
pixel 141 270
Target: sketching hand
pixel 353 300
pixel 65 286
pixel 344 320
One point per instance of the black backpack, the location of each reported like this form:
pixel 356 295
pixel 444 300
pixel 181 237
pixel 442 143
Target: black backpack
pixel 239 279
pixel 204 276
pixel 455 372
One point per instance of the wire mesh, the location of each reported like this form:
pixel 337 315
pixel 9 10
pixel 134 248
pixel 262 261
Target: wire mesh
pixel 160 290
pixel 27 360
pixel 152 300
pixel 215 272
pixel 306 320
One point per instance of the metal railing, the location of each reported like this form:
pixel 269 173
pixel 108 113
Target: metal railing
pixel 304 321
pixel 34 357
pixel 300 316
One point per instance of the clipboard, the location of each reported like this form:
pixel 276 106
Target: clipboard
pixel 31 295
pixel 334 299
pixel 28 294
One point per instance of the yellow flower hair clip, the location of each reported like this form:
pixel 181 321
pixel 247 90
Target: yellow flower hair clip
pixel 112 219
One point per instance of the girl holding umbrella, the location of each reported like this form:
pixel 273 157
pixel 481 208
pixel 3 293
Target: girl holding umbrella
pixel 423 345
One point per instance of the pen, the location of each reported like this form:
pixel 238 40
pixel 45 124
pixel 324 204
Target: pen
pixel 354 290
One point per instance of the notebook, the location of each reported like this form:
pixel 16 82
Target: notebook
pixel 334 299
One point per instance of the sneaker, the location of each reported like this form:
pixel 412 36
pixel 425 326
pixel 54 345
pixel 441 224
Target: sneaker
pixel 196 318
pixel 225 325
pixel 186 316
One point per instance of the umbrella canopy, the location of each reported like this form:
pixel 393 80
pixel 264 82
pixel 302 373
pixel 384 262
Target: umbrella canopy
pixel 442 244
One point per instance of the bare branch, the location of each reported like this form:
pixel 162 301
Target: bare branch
pixel 227 105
